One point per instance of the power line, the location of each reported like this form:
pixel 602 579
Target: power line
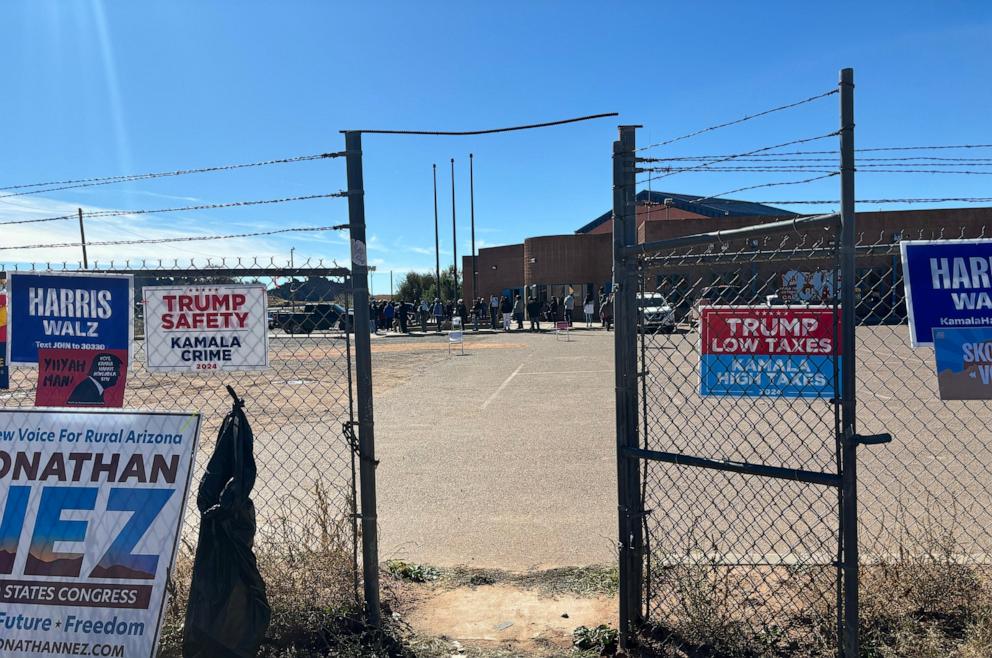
pixel 188 238
pixel 747 117
pixel 741 155
pixel 461 133
pixel 210 206
pixel 107 180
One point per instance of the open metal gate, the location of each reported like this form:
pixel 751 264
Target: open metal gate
pixel 736 457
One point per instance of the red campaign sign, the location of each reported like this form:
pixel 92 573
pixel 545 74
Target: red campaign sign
pixel 769 330
pixel 81 378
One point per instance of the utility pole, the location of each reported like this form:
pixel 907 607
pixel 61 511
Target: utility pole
pixel 471 196
pixel 82 239
pixel 454 233
pixel 437 241
pixel 363 370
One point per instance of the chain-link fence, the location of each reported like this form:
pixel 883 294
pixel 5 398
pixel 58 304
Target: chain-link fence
pixel 741 537
pixel 742 561
pixel 300 409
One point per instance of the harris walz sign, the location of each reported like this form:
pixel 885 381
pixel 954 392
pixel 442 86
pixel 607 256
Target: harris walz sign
pixel 948 285
pixel 221 327
pixel 79 311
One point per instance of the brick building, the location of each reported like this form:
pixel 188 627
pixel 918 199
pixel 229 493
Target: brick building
pixel 582 262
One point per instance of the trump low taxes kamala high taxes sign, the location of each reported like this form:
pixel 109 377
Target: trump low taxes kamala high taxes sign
pixel 769 351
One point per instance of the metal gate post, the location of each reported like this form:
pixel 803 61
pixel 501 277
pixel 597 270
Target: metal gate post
pixel 849 473
pixel 625 363
pixel 363 371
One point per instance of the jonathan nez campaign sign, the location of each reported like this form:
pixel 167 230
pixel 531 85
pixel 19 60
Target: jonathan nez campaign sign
pixel 92 503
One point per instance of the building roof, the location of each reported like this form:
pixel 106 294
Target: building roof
pixel 721 207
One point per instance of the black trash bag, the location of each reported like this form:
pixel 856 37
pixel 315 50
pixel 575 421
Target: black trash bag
pixel 228 612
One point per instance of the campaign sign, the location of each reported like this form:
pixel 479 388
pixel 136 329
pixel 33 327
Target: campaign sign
pixel 964 363
pixel 763 351
pixel 4 370
pixel 214 327
pixel 81 378
pixel 68 311
pixel 92 504
pixel 948 284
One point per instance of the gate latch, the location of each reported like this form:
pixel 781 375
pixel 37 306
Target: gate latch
pixel 872 439
pixel 348 428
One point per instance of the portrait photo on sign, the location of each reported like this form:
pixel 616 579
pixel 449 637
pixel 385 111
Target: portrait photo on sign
pixel 81 378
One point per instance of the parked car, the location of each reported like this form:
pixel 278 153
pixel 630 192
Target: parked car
pixel 656 312
pixel 316 317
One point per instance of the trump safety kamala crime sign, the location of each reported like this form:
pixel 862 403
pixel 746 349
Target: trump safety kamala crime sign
pixel 92 505
pixel 948 284
pixel 67 311
pixel 769 351
pixel 212 327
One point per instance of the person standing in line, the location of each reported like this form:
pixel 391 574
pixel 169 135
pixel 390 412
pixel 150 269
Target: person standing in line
pixel 588 308
pixel 424 309
pixel 606 311
pixel 478 309
pixel 389 313
pixel 462 312
pixel 534 314
pixel 569 305
pixel 602 302
pixel 506 308
pixel 553 310
pixel 518 312
pixel 438 314
pixel 373 318
pixel 401 311
pixel 494 310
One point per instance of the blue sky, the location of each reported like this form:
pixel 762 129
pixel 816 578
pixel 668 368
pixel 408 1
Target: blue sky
pixel 94 88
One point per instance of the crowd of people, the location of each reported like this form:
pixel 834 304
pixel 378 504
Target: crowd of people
pixel 498 312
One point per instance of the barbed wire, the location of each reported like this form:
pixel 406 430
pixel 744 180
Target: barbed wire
pixel 784 169
pixel 763 185
pixel 772 157
pixel 734 156
pixel 108 180
pixel 185 238
pixel 210 206
pixel 823 202
pixel 735 122
pixel 834 152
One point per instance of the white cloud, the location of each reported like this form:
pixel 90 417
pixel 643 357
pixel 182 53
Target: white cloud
pixel 36 237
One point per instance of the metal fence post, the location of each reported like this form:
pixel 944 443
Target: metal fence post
pixel 363 372
pixel 625 364
pixel 849 474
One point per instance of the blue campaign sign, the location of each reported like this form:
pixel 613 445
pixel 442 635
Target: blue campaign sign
pixel 948 284
pixel 69 311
